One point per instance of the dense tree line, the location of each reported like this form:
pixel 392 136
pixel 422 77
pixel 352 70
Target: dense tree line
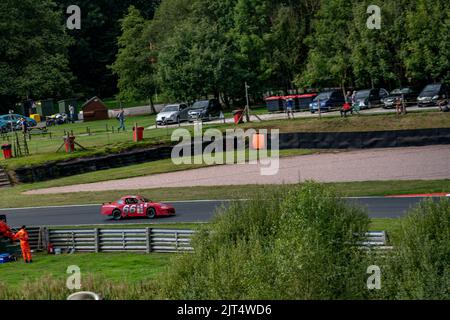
pixel 33 51
pixel 205 47
pixel 193 48
pixel 40 58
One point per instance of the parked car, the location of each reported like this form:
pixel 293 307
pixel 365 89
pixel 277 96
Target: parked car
pixel 409 94
pixel 329 100
pixel 136 206
pixel 173 113
pixel 205 110
pixel 13 120
pixel 369 98
pixel 4 126
pixel 431 94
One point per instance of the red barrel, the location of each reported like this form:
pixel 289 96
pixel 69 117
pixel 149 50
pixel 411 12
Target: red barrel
pixel 237 116
pixel 69 143
pixel 258 141
pixel 138 134
pixel 7 151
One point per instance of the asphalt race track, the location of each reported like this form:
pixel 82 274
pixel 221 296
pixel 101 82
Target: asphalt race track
pixel 187 211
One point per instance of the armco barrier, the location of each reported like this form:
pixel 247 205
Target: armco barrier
pixel 140 240
pixel 143 240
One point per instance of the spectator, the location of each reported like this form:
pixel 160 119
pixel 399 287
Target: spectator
pixel 33 108
pixel 290 108
pixel 443 104
pixel 24 124
pixel 72 113
pixel 398 106
pixel 403 104
pixel 121 118
pixel 354 106
pixel 345 109
pixel 348 97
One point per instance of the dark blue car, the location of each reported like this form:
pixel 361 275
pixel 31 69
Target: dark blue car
pixel 329 100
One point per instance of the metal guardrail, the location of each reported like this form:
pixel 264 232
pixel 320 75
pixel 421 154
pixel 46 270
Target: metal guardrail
pixel 143 240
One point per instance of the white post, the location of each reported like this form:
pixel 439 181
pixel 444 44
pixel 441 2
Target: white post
pixel 248 103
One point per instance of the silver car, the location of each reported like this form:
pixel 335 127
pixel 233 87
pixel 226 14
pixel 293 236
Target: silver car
pixel 173 113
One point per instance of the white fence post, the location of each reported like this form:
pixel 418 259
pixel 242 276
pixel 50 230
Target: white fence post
pixel 96 240
pixel 148 245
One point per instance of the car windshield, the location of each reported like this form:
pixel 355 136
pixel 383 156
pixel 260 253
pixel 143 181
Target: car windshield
pixel 362 94
pixel 431 89
pixel 323 96
pixel 200 104
pixel 170 108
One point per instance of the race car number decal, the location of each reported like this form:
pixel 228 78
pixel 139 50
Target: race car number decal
pixel 132 209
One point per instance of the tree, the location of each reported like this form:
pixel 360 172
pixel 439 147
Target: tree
pixel 329 62
pixel 134 62
pixel 33 52
pixel 427 46
pixel 95 45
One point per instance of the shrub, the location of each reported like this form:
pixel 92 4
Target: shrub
pixel 419 266
pixel 295 243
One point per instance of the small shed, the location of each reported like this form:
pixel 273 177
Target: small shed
pixel 274 104
pixel 46 108
pixel 94 109
pixel 301 101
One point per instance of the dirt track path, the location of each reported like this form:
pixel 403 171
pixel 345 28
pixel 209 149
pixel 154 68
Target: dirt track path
pixel 427 163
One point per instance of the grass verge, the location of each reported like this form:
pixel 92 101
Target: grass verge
pixel 116 267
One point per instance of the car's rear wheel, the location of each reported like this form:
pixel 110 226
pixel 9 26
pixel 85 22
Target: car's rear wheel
pixel 151 213
pixel 117 215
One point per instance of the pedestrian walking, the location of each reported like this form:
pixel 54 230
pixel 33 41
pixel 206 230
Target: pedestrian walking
pixel 72 113
pixel 290 108
pixel 121 118
pixel 22 236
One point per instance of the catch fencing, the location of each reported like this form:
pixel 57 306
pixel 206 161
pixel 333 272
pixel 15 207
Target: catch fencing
pixel 140 240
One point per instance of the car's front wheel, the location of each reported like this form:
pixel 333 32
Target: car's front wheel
pixel 151 213
pixel 117 215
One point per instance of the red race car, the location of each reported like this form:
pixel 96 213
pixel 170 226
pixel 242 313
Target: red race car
pixel 136 206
